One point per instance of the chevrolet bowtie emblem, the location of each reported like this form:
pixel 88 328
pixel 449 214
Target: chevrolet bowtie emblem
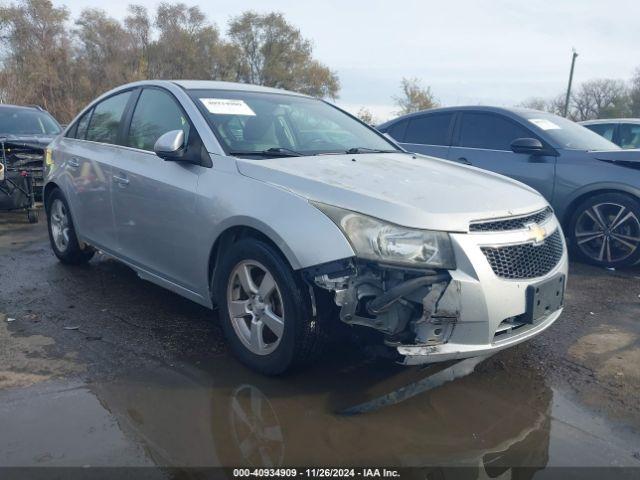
pixel 536 233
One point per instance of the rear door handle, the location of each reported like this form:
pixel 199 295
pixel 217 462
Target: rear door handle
pixel 464 161
pixel 74 162
pixel 122 181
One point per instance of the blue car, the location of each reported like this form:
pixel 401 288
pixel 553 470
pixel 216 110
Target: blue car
pixel 592 184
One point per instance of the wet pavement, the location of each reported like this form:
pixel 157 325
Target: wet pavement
pixel 100 368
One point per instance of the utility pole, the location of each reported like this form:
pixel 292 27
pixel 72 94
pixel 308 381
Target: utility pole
pixel 566 101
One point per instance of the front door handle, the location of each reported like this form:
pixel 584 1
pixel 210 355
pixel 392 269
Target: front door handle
pixel 463 161
pixel 74 162
pixel 122 181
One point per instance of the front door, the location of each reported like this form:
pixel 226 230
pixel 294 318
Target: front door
pixel 154 200
pixel 484 140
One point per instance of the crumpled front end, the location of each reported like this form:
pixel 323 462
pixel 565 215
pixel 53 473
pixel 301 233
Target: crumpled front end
pixel 508 286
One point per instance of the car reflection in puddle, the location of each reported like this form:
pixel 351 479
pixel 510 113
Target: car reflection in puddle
pixel 223 414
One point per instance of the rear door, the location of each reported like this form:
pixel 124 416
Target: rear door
pixel 154 200
pixel 87 152
pixel 483 139
pixel 428 134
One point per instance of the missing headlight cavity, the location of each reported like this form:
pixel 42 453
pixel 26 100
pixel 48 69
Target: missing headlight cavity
pixel 407 306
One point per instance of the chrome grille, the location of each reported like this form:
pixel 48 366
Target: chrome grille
pixel 526 260
pixel 511 223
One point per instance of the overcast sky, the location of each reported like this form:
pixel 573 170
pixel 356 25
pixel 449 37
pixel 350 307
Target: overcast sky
pixel 490 52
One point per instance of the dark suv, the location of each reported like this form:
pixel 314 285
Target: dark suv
pixel 25 131
pixel 592 184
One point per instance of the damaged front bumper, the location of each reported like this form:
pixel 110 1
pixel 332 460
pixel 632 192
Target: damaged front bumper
pixel 429 316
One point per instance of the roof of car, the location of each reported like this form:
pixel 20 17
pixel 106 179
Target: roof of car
pixel 610 120
pixel 241 87
pixel 481 108
pixel 7 106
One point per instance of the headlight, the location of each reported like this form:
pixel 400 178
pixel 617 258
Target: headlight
pixel 374 239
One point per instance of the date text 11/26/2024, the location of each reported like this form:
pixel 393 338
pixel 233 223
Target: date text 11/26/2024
pixel 315 473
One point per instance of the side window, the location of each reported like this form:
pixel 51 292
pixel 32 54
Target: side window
pixel 397 130
pixel 630 135
pixel 81 126
pixel 156 113
pixel 429 129
pixel 605 130
pixel 489 131
pixel 105 121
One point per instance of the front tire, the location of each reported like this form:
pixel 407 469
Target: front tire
pixel 62 234
pixel 265 309
pixel 605 230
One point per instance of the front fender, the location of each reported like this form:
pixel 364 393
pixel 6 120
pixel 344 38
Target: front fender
pixel 304 234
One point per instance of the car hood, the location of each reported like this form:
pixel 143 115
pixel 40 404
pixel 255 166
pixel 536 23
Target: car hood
pixel 413 191
pixel 32 141
pixel 618 156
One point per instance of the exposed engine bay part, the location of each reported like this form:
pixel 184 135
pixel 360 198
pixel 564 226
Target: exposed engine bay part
pixel 26 156
pixel 407 306
pixel 16 187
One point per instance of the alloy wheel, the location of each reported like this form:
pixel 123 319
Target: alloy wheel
pixel 59 220
pixel 608 232
pixel 255 307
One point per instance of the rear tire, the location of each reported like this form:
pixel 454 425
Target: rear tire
pixel 62 234
pixel 605 230
pixel 265 309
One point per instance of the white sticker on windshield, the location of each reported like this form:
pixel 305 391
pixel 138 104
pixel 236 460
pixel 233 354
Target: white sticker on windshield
pixel 227 106
pixel 545 124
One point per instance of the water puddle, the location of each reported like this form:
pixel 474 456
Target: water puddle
pixel 222 414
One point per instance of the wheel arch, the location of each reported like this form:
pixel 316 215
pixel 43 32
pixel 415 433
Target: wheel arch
pixel 237 231
pixel 48 188
pixel 581 195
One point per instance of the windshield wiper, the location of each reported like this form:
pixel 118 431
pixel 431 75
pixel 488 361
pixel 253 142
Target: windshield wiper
pixel 270 152
pixel 356 150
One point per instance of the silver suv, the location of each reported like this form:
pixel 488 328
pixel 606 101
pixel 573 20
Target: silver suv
pixel 287 213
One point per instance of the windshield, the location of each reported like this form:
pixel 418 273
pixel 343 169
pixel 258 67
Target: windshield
pixel 568 134
pixel 255 124
pixel 23 121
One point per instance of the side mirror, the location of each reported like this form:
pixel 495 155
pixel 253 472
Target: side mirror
pixel 170 146
pixel 532 146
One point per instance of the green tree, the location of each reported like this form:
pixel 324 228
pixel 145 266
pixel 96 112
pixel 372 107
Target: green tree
pixel 273 53
pixel 414 97
pixel 105 55
pixel 36 63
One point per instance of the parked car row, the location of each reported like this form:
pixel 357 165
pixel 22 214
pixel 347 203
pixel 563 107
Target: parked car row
pixel 295 219
pixel 592 184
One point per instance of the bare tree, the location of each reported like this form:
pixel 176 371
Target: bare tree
pixel 366 116
pixel 272 52
pixel 414 97
pixel 601 98
pixel 634 94
pixel 552 105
